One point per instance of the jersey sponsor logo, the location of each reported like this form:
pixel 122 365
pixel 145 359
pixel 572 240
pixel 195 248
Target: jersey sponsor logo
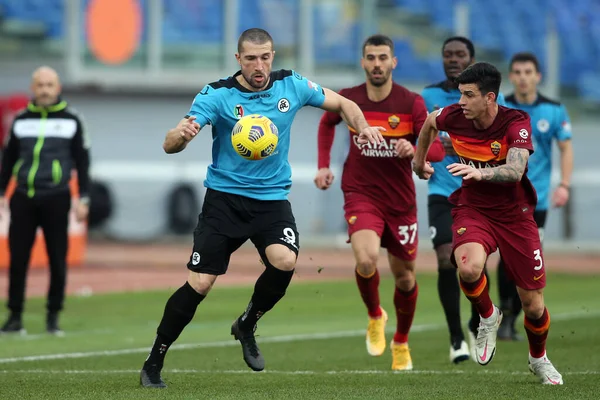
pixel 313 86
pixel 523 133
pixel 393 121
pixel 495 147
pixel 543 125
pixel 385 149
pixel 238 111
pixel 283 105
pixel 476 164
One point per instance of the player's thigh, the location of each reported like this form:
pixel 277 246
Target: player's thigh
pixel 400 236
pixel 539 216
pixel 521 249
pixel 472 241
pixel 218 234
pixel 365 227
pixel 275 234
pixel 439 212
pixel 365 244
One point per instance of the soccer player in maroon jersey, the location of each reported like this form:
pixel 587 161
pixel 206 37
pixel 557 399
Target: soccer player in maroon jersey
pixel 379 192
pixel 494 208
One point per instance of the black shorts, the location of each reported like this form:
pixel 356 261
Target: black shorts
pixel 540 219
pixel 440 220
pixel 227 221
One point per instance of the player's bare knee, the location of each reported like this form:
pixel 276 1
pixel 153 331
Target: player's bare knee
pixel 443 253
pixel 532 302
pixel 281 257
pixel 469 270
pixel 406 280
pixel 366 263
pixel 201 283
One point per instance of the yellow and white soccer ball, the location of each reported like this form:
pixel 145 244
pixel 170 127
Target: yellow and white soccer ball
pixel 254 137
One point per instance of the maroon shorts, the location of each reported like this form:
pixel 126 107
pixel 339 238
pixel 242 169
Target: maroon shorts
pixel 517 240
pixel 398 231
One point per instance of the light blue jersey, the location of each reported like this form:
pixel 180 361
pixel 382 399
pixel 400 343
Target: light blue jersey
pixel 222 103
pixel 549 121
pixel 437 96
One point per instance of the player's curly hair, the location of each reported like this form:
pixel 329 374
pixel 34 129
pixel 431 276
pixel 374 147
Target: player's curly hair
pixel 254 35
pixel 484 75
pixel 463 40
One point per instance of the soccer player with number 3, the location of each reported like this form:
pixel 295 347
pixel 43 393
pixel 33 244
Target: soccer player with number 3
pixel 494 208
pixel 379 191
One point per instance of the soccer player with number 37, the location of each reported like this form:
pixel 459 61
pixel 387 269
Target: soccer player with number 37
pixel 379 191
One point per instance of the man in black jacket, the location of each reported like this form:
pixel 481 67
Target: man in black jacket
pixel 47 140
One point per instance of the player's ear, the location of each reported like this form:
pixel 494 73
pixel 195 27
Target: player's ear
pixel 394 62
pixel 238 58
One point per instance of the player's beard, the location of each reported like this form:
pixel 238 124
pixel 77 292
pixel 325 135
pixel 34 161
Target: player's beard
pixel 255 84
pixel 378 80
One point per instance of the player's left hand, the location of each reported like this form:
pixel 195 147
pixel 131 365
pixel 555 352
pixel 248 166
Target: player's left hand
pixel 466 171
pixel 560 196
pixel 371 134
pixel 82 211
pixel 424 170
pixel 405 149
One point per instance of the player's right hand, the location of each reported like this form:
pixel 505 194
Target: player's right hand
pixel 371 134
pixel 447 143
pixel 188 128
pixel 423 170
pixel 324 178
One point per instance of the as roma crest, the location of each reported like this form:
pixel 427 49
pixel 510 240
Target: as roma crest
pixel 394 121
pixel 495 146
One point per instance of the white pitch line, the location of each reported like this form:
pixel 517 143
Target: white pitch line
pixel 280 372
pixel 272 339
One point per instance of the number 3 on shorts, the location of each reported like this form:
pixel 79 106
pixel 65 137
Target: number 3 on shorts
pixel 537 255
pixel 405 235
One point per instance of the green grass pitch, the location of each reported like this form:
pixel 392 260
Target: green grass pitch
pixel 313 343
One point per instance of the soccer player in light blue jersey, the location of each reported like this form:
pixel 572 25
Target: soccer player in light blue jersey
pixel 457 54
pixel 244 199
pixel 549 123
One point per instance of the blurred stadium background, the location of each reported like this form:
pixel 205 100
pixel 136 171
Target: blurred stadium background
pixel 132 67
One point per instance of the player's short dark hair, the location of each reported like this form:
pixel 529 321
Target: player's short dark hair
pixel 378 40
pixel 461 39
pixel 485 75
pixel 525 57
pixel 254 35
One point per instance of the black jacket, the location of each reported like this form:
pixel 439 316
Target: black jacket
pixel 44 145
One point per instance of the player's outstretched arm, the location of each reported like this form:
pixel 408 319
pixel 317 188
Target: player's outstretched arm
pixel 353 116
pixel 427 136
pixel 178 137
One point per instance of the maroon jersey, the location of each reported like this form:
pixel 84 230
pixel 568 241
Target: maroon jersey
pixel 376 170
pixel 487 148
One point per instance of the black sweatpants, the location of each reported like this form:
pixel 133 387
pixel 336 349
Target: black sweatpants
pixel 51 213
